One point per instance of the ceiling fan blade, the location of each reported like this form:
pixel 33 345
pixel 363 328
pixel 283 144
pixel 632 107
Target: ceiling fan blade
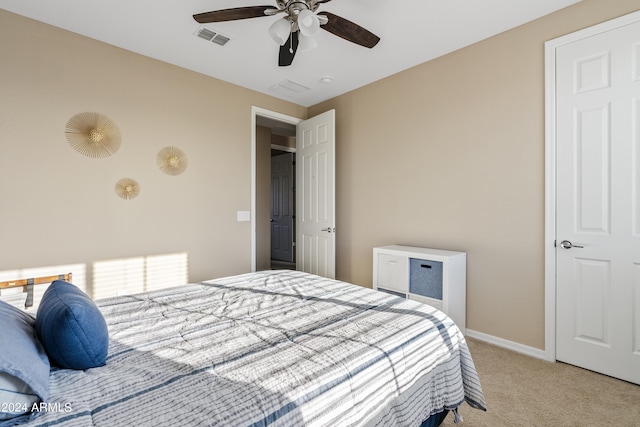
pixel 232 14
pixel 288 50
pixel 349 31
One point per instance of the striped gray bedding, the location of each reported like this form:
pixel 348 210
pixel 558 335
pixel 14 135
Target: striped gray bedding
pixel 280 348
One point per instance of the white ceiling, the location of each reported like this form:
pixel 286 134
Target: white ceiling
pixel 411 32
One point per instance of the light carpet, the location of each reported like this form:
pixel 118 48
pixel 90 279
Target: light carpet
pixel 524 391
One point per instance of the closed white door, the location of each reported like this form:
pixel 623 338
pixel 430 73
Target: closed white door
pixel 315 195
pixel 598 203
pixel 282 207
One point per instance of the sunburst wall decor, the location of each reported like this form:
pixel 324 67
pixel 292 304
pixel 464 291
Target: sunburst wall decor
pixel 127 188
pixel 172 160
pixel 93 135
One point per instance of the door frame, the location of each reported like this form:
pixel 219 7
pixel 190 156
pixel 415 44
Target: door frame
pixel 255 112
pixel 550 168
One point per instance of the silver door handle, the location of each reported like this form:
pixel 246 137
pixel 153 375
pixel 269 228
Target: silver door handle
pixel 565 244
pixel 329 230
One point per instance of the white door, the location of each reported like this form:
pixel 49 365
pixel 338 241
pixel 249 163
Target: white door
pixel 282 207
pixel 315 195
pixel 598 203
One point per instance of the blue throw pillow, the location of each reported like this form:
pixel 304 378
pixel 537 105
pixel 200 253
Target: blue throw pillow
pixel 71 328
pixel 24 366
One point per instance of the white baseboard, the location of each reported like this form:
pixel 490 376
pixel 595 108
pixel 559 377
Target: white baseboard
pixel 509 345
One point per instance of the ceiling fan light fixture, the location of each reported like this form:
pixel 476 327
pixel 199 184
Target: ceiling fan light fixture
pixel 306 43
pixel 308 22
pixel 280 30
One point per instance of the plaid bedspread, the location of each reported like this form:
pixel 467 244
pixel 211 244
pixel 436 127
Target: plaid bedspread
pixel 281 348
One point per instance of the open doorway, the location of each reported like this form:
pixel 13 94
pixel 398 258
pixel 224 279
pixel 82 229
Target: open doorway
pixel 273 184
pixel 315 195
pixel 283 205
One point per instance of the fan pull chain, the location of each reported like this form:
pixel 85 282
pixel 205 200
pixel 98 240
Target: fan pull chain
pixel 291 43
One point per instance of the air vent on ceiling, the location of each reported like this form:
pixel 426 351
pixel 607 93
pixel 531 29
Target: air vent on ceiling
pixel 212 36
pixel 289 87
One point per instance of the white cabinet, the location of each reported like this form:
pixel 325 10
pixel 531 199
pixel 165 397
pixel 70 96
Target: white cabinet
pixel 433 276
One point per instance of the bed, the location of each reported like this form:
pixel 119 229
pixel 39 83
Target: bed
pixel 280 347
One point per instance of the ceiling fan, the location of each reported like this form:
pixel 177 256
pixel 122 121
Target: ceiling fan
pixel 295 31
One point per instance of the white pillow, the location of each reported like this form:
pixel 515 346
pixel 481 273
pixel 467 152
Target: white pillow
pixel 17 397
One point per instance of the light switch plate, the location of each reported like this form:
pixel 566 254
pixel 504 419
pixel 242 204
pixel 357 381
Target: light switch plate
pixel 244 216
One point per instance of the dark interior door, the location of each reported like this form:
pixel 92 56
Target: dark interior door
pixel 282 205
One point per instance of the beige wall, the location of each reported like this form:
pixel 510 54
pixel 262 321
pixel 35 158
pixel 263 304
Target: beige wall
pixel 450 154
pixel 59 207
